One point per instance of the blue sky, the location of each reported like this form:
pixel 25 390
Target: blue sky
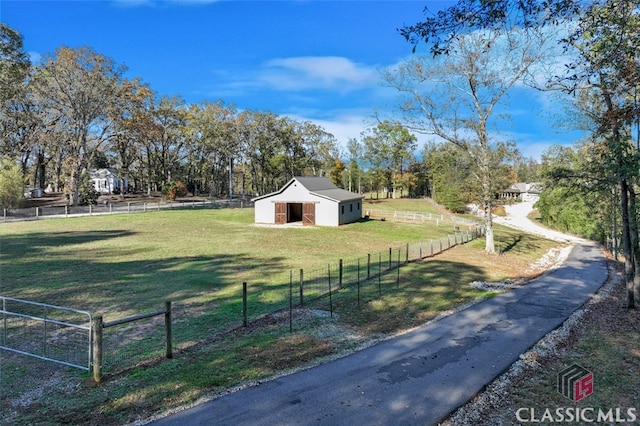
pixel 311 60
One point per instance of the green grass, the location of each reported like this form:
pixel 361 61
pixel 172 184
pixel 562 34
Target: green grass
pixel 190 256
pixel 127 264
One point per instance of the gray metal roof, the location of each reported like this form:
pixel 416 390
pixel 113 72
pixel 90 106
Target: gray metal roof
pixel 320 186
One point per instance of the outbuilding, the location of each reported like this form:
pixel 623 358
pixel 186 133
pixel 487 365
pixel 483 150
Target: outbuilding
pixel 311 201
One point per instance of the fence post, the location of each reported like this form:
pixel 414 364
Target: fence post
pixel 167 326
pixel 368 265
pixel 407 256
pixel 301 287
pixel 340 272
pixel 244 304
pixel 379 273
pixel 290 301
pixel 389 258
pixel 37 212
pixel 358 282
pixel 44 333
pixel 330 297
pixel 398 275
pixel 420 251
pixel 431 247
pixel 90 210
pixel 97 348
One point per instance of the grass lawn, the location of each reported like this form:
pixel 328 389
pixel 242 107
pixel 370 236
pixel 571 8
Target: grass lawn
pixel 126 264
pixel 107 263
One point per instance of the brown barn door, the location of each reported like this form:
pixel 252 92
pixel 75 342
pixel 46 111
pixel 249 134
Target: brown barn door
pixel 281 213
pixel 309 214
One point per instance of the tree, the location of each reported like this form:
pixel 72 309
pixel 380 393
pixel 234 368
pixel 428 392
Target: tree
pixel 444 29
pixel 607 39
pixel 575 199
pixel 451 176
pixel 87 194
pixel 454 98
pixel 20 123
pixel 11 184
pixel 260 145
pixel 14 63
pixel 213 145
pixel 79 89
pixel 335 174
pixel 133 126
pixel 387 148
pixel 606 80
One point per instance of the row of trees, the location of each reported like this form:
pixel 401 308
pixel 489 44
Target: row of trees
pixel 76 110
pixel 602 80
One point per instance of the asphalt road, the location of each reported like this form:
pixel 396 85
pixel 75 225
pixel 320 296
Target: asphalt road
pixel 420 377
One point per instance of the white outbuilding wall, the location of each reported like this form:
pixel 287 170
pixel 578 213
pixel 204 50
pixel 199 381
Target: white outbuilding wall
pixel 311 197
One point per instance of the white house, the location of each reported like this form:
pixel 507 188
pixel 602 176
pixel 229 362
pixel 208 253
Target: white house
pixel 107 181
pixel 524 191
pixel 310 200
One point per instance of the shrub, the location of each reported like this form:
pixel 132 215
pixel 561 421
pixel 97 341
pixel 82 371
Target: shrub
pixel 87 194
pixel 172 190
pixel 11 184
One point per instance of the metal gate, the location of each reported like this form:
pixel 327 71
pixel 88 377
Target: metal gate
pixel 49 332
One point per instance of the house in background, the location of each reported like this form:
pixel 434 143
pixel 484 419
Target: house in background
pixel 310 200
pixel 524 191
pixel 107 181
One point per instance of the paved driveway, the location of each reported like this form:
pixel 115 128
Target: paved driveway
pixel 420 377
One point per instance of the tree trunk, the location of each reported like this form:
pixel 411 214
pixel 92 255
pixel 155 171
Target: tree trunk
pixel 490 246
pixel 635 243
pixel 74 179
pixel 626 243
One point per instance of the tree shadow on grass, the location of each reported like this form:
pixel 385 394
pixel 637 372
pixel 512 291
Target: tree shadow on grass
pixel 75 275
pixel 15 247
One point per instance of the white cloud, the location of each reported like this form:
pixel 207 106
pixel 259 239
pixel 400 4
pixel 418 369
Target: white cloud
pixel 349 124
pixel 317 72
pixel 342 124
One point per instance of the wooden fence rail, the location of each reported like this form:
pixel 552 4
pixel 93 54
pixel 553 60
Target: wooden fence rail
pixel 99 325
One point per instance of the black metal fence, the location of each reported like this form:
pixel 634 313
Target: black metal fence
pixel 125 347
